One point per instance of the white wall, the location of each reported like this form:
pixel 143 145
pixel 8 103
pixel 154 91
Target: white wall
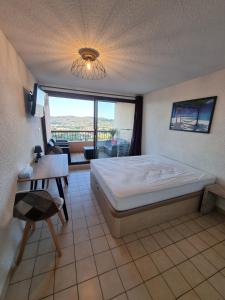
pixel 204 151
pixel 18 134
pixel 124 119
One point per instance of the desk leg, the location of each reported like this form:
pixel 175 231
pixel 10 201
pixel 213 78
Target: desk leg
pixel 61 194
pixel 31 185
pixel 35 184
pixel 43 184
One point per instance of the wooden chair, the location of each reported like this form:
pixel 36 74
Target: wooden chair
pixel 34 206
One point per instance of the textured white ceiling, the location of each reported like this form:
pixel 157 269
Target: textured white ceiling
pixel 144 44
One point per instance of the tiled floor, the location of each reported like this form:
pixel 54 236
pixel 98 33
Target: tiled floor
pixel 181 259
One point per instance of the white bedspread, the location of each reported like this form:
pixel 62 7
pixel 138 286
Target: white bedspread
pixel 126 176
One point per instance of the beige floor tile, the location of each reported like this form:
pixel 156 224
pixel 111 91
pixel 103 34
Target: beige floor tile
pixel 113 242
pixel 218 282
pixel 175 254
pixel 65 240
pixel 23 271
pixel 18 291
pixel 187 248
pixel 191 295
pixel 130 238
pixel 86 269
pixel 111 284
pixel 203 265
pixel 150 244
pixel 136 249
pixel 81 235
pixel 79 223
pixel 176 282
pixel 105 228
pixel 146 267
pixel 161 260
pixel 44 263
pixel 129 275
pixel 215 232
pixel 30 250
pixel 92 220
pixel 99 244
pixel 95 231
pixel 90 290
pixel 120 297
pixel 104 262
pixel 198 243
pixel 220 249
pixel 190 273
pixel 65 277
pixel 35 236
pixel 139 293
pixel 162 239
pixel 67 257
pixel 215 259
pixel 121 255
pixel 207 238
pixel 194 226
pixel 184 230
pixel 83 250
pixel 206 291
pixel 42 286
pixel 68 294
pixel 158 289
pixel 173 234
pixel 46 246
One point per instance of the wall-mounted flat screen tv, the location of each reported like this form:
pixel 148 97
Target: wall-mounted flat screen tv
pixel 193 115
pixel 38 101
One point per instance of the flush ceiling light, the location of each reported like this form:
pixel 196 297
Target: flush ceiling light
pixel 88 66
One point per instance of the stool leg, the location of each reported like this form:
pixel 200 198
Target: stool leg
pixel 66 180
pixel 23 241
pixel 61 217
pixel 54 236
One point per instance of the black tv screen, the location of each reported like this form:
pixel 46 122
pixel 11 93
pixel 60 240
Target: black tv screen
pixel 38 101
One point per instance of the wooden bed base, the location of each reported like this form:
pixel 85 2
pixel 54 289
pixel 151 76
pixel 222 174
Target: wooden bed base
pixel 124 222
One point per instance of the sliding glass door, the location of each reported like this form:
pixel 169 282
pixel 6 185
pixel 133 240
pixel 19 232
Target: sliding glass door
pixel 94 128
pixel 73 120
pixel 114 128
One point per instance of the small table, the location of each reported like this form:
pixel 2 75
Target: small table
pixel 51 167
pixel 88 152
pixel 208 200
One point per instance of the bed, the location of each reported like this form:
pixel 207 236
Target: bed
pixel 136 192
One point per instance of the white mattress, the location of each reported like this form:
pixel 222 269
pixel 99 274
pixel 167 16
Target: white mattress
pixel 134 181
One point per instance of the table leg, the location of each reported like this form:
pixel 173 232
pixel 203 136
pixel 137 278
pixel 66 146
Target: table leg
pixel 61 194
pixel 43 184
pixel 35 184
pixel 31 185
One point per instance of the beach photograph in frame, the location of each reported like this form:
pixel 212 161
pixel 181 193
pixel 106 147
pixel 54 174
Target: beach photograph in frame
pixel 193 115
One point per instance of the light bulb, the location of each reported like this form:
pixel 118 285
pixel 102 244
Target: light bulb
pixel 89 65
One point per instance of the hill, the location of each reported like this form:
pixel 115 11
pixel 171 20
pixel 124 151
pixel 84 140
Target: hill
pixel 79 123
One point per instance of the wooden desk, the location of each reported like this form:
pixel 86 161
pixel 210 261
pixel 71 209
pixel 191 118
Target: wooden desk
pixel 50 167
pixel 211 192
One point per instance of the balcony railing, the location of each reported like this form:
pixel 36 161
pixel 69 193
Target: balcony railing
pixel 80 135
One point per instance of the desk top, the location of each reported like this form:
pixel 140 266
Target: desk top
pixel 49 166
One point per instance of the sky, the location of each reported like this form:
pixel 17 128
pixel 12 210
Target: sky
pixel 81 108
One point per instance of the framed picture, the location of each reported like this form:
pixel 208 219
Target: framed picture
pixel 193 115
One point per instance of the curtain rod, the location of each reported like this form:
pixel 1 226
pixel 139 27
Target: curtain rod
pixel 55 88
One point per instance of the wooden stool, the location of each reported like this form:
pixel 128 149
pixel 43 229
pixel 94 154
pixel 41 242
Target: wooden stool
pixel 34 206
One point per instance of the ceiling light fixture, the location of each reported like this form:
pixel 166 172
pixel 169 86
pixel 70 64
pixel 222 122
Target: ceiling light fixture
pixel 88 66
